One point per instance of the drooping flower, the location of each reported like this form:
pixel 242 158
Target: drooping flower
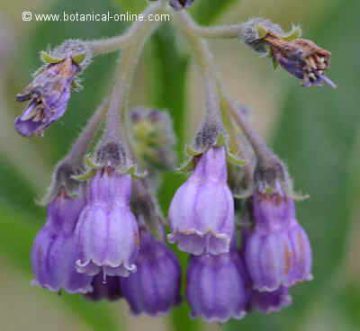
pixel 154 288
pixel 107 231
pixel 49 92
pixel 277 250
pixel 202 211
pixel 181 4
pixel 54 251
pixel 217 288
pixel 302 58
pixel 271 302
pixel 105 288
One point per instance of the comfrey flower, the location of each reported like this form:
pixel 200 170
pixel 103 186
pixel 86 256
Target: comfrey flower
pixel 49 92
pixel 107 231
pixel 154 288
pixel 105 288
pixel 201 213
pixel 301 58
pixel 54 251
pixel 277 250
pixel 271 302
pixel 217 288
pixel 180 4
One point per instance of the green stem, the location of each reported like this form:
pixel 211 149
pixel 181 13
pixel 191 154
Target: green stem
pixel 117 119
pixel 205 60
pixel 104 46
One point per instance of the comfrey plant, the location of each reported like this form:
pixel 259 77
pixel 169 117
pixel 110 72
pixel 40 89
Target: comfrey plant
pixel 235 216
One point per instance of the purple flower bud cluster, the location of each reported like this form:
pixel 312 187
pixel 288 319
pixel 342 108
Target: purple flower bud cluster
pixel 226 280
pixel 92 244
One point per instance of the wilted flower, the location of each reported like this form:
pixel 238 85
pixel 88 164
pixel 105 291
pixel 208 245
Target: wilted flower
pixel 202 211
pixel 49 92
pixel 107 231
pixel 271 302
pixel 154 288
pixel 54 251
pixel 277 250
pixel 181 4
pixel 105 288
pixel 217 287
pixel 301 58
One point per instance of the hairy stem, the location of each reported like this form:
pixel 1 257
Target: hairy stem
pixel 108 45
pixel 82 143
pixel 205 59
pixel 117 119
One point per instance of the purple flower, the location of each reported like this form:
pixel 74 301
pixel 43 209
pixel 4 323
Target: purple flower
pixel 271 302
pixel 217 287
pixel 202 211
pixel 107 231
pixel 155 286
pixel 48 96
pixel 302 58
pixel 105 288
pixel 181 4
pixel 277 250
pixel 54 249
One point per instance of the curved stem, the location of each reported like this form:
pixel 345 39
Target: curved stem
pixel 82 143
pixel 205 60
pixel 204 56
pixel 117 120
pixel 104 46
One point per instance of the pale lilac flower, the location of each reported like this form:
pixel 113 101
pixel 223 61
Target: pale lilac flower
pixel 107 231
pixel 217 287
pixel 277 250
pixel 202 211
pixel 155 287
pixel 54 251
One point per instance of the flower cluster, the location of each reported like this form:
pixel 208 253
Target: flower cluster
pixel 105 234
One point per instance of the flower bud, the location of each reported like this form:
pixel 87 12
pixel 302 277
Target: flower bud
pixel 154 288
pixel 217 287
pixel 107 231
pixel 54 251
pixel 201 213
pixel 277 250
pixel 49 92
pixel 154 139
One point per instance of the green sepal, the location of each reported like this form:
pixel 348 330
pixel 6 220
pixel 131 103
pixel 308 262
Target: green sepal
pixel 79 58
pixel 76 85
pixel 220 140
pixel 293 34
pixel 261 31
pixel 298 196
pixel 192 152
pixel 90 163
pixel 49 59
pixel 187 166
pixel 234 160
pixel 244 195
pixel 85 176
pixel 134 173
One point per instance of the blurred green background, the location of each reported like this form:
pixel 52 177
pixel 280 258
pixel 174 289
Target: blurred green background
pixel 316 131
